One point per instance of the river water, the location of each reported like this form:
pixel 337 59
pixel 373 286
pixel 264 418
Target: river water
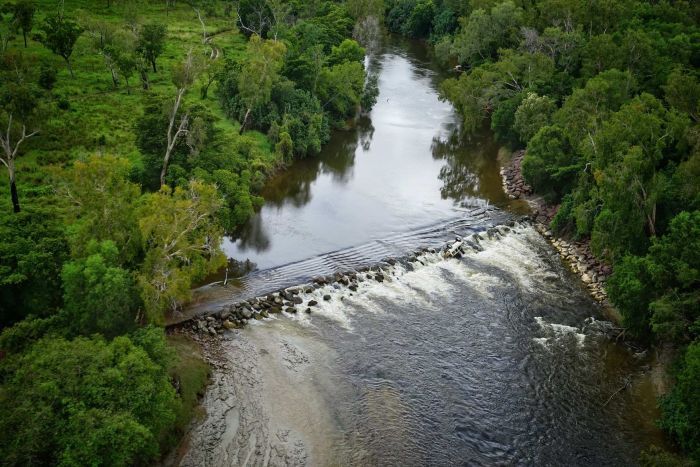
pixel 497 358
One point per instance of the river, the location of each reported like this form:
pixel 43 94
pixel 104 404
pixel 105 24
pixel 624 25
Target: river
pixel 497 358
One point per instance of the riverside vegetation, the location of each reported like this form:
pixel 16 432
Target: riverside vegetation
pixel 605 98
pixel 134 135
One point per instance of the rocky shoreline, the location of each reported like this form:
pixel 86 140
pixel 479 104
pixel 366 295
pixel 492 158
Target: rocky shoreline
pixel 577 255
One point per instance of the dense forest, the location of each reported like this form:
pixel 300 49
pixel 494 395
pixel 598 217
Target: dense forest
pixel 136 134
pixel 605 97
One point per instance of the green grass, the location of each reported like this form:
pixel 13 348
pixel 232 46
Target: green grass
pixel 192 372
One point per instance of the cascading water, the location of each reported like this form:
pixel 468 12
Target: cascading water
pixel 497 358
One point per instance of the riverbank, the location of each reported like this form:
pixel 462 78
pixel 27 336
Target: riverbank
pixel 577 255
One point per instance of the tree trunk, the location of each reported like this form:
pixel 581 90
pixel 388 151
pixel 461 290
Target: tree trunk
pixel 70 68
pixel 164 170
pixel 24 33
pixel 144 79
pixel 13 191
pixel 153 62
pixel 245 121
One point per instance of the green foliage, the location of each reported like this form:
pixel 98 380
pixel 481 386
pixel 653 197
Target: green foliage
pixel 181 239
pixel 60 35
pixel 533 113
pixel 550 165
pixel 32 252
pixel 86 401
pixel 659 292
pixel 23 17
pixel 681 408
pixel 102 201
pixel 347 51
pixel 485 32
pixel 99 296
pixel 150 42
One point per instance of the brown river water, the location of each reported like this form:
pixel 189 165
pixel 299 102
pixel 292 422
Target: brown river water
pixel 497 358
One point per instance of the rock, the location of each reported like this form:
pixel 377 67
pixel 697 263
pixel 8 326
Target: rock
pixel 297 300
pixel 229 325
pixel 379 277
pixel 246 313
pixel 326 297
pixel 290 309
pixel 212 331
pixel 308 310
pixel 225 315
pixel 353 287
pixel 276 309
pixel 264 314
pixel 312 303
pixel 309 289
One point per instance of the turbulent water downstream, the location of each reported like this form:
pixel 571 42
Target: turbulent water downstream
pixel 497 358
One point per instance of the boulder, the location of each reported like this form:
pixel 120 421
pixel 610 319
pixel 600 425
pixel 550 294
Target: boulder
pixel 326 297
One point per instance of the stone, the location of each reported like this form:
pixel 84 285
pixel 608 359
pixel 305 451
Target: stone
pixel 312 303
pixel 326 297
pixel 353 287
pixel 246 313
pixel 229 325
pixel 308 310
pixel 212 331
pixel 297 300
pixel 276 309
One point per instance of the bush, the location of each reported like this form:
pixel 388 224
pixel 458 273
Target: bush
pixel 86 401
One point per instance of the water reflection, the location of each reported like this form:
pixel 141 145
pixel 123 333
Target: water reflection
pixel 402 168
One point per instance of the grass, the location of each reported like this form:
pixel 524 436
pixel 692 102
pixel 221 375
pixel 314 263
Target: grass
pixel 192 373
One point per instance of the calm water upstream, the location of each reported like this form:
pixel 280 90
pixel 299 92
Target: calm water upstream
pixel 497 358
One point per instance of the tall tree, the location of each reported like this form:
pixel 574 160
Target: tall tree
pixel 150 42
pixel 181 237
pixel 19 105
pixel 184 75
pixel 23 17
pixel 259 74
pixel 59 36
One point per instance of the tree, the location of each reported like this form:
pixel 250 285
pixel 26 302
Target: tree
pixel 259 73
pixel 341 87
pixel 347 51
pixel 99 296
pixel 212 72
pixel 682 91
pixel 483 33
pixel 533 113
pixel 101 203
pixel 150 42
pixel 184 75
pixel 181 238
pixel 87 401
pixel 19 109
pixel 23 17
pixel 681 408
pixel 59 36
